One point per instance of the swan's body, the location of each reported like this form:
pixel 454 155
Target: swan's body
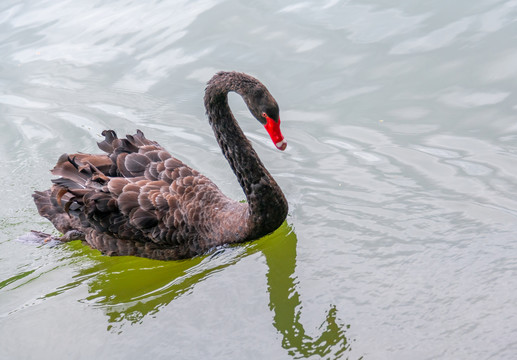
pixel 139 200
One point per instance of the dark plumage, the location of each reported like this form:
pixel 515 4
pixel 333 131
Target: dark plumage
pixel 139 200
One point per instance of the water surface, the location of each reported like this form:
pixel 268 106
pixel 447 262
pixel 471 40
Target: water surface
pixel 400 175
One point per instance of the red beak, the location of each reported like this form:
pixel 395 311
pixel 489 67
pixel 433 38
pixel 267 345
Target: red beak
pixel 273 128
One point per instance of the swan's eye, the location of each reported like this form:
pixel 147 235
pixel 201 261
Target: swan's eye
pixel 264 115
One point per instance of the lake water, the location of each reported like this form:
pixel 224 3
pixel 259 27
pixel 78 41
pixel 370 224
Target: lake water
pixel 400 173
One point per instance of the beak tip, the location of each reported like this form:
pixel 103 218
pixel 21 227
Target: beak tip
pixel 281 145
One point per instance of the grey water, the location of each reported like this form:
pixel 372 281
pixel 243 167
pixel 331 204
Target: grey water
pixel 400 172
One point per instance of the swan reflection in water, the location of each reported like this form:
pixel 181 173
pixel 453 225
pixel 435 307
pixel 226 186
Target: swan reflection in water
pixel 129 289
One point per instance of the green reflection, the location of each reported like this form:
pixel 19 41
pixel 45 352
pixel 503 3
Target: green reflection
pixel 130 288
pixel 284 301
pixel 15 278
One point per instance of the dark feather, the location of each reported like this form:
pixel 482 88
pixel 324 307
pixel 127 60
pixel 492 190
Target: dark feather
pixel 143 219
pixel 127 201
pixel 136 163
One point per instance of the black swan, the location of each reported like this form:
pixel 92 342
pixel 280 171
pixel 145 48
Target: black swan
pixel 139 200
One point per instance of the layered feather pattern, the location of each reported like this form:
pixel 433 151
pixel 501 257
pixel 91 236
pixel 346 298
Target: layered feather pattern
pixel 136 200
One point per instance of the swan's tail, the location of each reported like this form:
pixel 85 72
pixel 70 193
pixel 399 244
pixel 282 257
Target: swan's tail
pixel 51 210
pixel 81 176
pixel 84 197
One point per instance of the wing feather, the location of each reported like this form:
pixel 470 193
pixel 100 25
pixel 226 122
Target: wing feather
pixel 136 192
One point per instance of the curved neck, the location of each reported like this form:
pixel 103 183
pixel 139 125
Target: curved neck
pixel 267 206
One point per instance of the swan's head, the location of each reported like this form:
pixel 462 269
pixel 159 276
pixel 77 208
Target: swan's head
pixel 265 109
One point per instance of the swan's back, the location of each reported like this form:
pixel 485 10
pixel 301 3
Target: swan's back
pixel 138 200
